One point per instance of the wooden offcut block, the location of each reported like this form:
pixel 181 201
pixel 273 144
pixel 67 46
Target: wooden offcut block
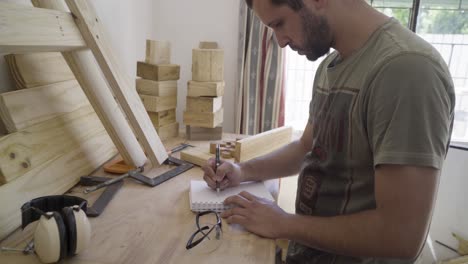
pixel 209 120
pixel 204 104
pixel 156 88
pixel 197 156
pixel 160 72
pixel 227 148
pixel 158 103
pixel 197 89
pixel 168 131
pixel 204 133
pixel 162 118
pixel 208 45
pixel 158 52
pixel 263 143
pixel 208 65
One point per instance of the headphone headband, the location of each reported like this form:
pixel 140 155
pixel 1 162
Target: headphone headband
pixel 48 204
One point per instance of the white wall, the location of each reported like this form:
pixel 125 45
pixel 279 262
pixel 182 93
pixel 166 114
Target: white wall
pixel 450 213
pixel 186 23
pixel 128 25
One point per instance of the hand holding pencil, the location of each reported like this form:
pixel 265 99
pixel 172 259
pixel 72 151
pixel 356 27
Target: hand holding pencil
pixel 221 174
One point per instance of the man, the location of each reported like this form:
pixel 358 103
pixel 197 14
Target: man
pixel 379 126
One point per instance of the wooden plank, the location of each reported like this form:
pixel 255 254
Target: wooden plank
pixel 89 148
pixel 156 88
pixel 204 104
pixel 122 87
pixel 23 108
pixel 204 133
pixel 209 120
pixel 28 29
pixel 38 69
pixel 158 103
pixel 198 156
pixel 168 131
pixel 162 118
pixel 158 52
pixel 262 143
pixel 158 72
pixel 208 65
pixel 197 89
pixel 23 151
pixel 91 80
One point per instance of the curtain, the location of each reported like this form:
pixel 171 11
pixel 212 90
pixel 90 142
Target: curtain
pixel 260 94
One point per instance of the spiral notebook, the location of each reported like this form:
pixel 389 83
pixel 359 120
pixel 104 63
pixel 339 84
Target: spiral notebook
pixel 203 198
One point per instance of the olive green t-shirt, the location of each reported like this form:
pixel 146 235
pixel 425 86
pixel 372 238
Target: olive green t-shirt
pixel 391 102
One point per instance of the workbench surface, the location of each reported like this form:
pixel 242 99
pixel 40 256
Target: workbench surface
pixel 152 225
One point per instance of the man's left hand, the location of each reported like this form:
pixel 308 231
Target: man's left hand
pixel 260 216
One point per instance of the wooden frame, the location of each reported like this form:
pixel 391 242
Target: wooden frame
pixel 89 76
pixel 28 29
pixel 90 28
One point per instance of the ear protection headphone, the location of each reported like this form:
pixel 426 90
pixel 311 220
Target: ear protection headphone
pixel 63 229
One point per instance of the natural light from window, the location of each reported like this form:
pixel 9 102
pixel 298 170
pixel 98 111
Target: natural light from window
pixel 300 74
pixel 443 23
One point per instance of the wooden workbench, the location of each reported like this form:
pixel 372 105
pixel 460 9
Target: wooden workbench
pixel 152 225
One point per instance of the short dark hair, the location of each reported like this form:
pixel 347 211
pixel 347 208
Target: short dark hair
pixel 294 4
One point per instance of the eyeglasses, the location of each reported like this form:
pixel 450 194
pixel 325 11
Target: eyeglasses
pixel 209 232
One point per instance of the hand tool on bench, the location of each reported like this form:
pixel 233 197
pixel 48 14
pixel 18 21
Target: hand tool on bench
pixel 100 204
pixel 182 166
pixel 118 166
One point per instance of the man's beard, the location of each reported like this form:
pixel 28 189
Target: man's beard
pixel 317 41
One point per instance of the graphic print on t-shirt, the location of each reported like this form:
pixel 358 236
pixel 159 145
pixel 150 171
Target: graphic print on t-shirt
pixel 322 175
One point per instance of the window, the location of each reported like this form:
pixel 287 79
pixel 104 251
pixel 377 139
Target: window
pixel 443 23
pixel 300 74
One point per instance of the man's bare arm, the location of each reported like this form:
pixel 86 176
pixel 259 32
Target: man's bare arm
pixel 282 162
pixel 395 229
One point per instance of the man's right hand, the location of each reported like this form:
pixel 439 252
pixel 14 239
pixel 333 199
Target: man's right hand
pixel 228 174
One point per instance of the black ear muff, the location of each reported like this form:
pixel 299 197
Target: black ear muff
pixel 70 225
pixel 63 229
pixel 50 238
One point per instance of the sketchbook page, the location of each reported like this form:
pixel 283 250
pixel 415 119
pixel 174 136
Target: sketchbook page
pixel 200 193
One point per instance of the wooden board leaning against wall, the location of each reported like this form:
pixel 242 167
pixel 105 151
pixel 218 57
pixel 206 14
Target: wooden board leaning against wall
pixel 54 137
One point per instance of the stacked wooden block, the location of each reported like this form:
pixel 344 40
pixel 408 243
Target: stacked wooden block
pixel 158 87
pixel 203 115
